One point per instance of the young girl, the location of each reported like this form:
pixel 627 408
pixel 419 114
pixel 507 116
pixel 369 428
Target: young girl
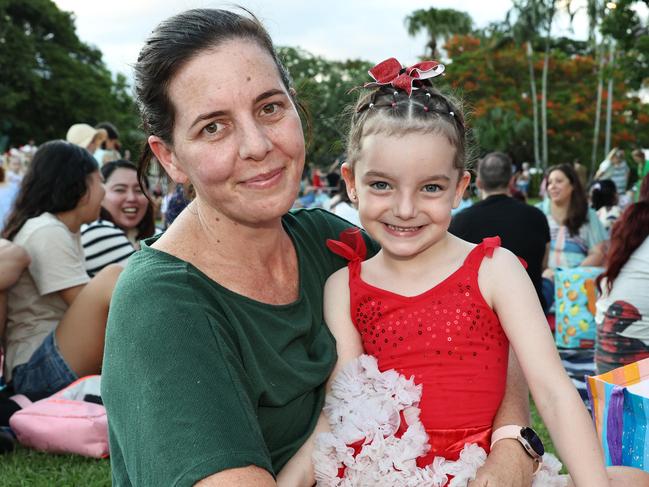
pixel 49 341
pixel 439 311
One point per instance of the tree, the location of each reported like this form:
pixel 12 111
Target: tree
pixel 524 30
pixel 50 79
pixel 439 24
pixel 495 87
pixel 323 86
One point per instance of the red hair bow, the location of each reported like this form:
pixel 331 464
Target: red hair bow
pixel 391 72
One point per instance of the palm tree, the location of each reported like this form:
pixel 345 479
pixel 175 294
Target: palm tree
pixel 550 11
pixel 524 30
pixel 439 24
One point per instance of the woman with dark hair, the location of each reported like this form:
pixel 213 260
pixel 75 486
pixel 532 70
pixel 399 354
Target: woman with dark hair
pixel 576 235
pixel 126 217
pixel 109 149
pixel 217 355
pixel 623 309
pixel 61 191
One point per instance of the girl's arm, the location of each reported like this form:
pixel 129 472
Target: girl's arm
pixel 298 471
pixel 507 288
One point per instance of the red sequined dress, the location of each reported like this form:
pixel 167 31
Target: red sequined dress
pixel 447 338
pixel 417 408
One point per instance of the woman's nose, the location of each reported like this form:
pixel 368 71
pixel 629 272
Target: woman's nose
pixel 254 141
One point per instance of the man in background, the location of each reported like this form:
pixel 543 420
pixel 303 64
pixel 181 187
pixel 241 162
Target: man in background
pixel 522 229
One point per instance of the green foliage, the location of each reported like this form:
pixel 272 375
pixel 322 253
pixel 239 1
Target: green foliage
pixel 50 79
pixel 495 87
pixel 632 37
pixel 323 86
pixel 439 24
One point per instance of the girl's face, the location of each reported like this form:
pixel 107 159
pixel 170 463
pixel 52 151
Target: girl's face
pixel 90 203
pixel 15 165
pixel 559 187
pixel 237 135
pixel 124 199
pixel 406 187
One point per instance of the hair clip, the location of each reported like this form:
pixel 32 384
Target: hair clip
pixel 390 72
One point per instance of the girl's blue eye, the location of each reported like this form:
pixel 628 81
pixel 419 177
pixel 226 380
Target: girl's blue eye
pixel 432 188
pixel 380 185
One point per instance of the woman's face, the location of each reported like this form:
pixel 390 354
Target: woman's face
pixel 237 135
pixel 124 199
pixel 559 187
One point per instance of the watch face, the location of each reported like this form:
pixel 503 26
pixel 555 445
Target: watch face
pixel 529 435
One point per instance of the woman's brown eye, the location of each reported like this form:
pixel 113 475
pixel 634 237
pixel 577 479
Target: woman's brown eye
pixel 270 108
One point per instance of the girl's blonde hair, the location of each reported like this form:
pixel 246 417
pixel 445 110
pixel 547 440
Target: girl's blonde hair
pixel 389 111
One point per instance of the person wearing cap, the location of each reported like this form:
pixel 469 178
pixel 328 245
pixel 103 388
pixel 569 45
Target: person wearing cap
pixel 86 136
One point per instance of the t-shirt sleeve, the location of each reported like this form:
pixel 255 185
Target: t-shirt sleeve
pixel 175 390
pixel 56 261
pixel 596 231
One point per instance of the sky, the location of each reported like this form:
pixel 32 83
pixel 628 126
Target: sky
pixel 335 29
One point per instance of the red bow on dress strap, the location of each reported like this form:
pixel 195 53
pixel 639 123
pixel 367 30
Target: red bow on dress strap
pixel 391 72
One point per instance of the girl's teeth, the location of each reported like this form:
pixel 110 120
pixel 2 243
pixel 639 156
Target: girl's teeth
pixel 403 229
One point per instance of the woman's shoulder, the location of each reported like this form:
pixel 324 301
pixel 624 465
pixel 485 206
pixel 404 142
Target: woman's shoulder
pixel 320 225
pixel 318 219
pixel 45 225
pixel 543 205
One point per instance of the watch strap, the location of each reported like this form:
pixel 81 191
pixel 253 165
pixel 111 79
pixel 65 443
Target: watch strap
pixel 513 431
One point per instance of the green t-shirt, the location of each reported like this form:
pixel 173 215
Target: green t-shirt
pixel 198 379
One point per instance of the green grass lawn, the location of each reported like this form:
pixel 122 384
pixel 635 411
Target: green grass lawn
pixel 28 468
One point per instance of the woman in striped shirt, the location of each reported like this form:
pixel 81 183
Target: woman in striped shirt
pixel 126 218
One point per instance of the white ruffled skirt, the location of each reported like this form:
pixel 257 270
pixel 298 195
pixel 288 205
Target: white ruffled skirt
pixel 365 409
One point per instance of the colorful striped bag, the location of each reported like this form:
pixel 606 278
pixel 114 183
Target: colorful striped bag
pixel 620 400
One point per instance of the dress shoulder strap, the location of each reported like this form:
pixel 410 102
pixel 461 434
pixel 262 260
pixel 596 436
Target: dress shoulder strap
pixel 483 249
pixel 351 246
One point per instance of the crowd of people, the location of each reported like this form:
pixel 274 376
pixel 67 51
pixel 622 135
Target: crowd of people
pixel 242 290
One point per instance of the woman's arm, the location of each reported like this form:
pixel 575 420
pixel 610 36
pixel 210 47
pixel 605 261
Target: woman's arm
pixel 298 471
pixel 80 333
pixel 250 476
pixel 514 300
pixel 13 261
pixel 508 465
pixel 595 256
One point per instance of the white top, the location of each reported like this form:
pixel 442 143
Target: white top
pixel 631 286
pixel 348 212
pixel 34 308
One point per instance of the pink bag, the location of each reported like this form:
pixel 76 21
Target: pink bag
pixel 64 422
